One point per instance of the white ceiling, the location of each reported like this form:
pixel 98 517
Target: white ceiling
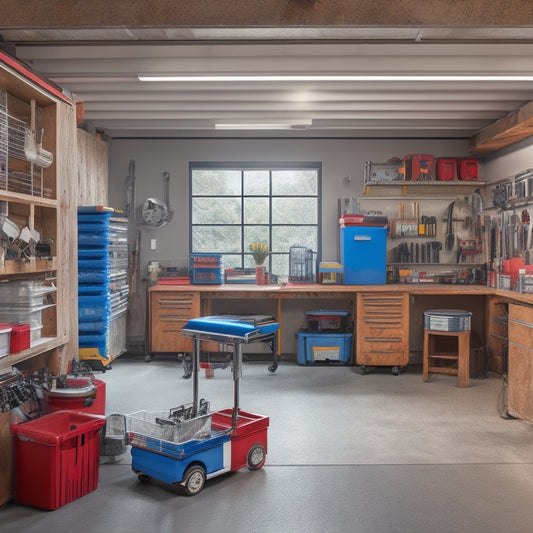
pixel 101 67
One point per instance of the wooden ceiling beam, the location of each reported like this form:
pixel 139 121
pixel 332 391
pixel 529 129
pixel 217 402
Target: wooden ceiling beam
pixel 264 13
pixel 515 126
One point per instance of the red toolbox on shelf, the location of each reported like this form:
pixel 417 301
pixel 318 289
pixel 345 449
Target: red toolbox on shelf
pixel 446 169
pixel 468 169
pixel 56 458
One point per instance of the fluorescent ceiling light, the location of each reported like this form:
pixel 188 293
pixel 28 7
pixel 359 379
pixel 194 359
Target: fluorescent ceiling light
pixel 291 125
pixel 327 77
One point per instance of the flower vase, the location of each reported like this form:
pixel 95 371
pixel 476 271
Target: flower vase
pixel 260 275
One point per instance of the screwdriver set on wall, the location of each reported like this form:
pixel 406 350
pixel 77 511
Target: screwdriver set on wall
pixel 424 252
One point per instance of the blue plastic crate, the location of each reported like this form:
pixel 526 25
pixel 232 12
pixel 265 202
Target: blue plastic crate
pixel 98 327
pixel 323 348
pixel 93 308
pixel 93 253
pixel 206 276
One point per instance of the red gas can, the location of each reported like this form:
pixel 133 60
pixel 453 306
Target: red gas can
pixel 468 169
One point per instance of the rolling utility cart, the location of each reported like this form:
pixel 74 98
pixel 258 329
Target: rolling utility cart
pixel 189 444
pixel 222 359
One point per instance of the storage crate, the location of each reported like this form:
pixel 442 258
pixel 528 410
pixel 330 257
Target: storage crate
pixel 5 334
pixel 320 348
pixel 57 458
pixel 30 315
pixel 323 320
pixel 206 268
pixel 20 338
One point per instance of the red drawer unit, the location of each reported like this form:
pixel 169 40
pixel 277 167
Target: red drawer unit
pixel 468 169
pixel 446 169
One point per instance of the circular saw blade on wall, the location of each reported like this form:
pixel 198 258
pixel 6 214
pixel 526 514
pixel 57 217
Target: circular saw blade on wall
pixel 156 213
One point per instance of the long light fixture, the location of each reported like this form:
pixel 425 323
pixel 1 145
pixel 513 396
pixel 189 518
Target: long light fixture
pixel 296 124
pixel 334 77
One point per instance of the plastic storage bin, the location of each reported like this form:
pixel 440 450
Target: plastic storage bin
pixel 323 320
pixel 313 348
pixel 363 255
pixel 20 338
pixel 5 334
pixel 57 458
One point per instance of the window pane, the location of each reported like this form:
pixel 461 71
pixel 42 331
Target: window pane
pixel 216 210
pixel 283 237
pixel 216 182
pixel 256 211
pixel 256 182
pixel 294 182
pixel 231 261
pixel 216 239
pixel 280 266
pixel 294 210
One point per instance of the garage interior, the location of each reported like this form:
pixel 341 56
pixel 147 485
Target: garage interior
pixel 340 83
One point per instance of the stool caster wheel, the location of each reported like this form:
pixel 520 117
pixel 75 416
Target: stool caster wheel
pixel 148 357
pixel 364 370
pixel 397 370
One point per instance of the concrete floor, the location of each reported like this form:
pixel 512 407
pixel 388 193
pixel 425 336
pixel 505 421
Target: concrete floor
pixel 346 453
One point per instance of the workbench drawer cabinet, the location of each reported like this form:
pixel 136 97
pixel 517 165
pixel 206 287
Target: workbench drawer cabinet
pixel 382 337
pixel 168 313
pixel 520 384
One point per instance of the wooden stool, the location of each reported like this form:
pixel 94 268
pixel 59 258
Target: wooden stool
pixel 462 356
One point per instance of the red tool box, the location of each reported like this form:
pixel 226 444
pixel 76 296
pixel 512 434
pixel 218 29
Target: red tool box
pixel 419 167
pixel 468 169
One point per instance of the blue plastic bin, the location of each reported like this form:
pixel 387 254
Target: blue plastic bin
pixel 323 348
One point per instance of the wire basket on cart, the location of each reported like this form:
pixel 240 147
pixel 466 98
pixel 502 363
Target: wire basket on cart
pixel 161 430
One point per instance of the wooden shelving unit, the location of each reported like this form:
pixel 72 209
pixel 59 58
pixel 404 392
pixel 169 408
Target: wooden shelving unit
pixel 49 209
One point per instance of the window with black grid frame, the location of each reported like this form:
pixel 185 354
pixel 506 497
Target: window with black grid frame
pixel 234 207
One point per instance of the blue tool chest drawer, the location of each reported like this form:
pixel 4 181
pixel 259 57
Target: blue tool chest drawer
pixel 323 348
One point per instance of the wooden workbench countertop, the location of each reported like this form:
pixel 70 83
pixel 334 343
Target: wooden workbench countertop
pixel 294 290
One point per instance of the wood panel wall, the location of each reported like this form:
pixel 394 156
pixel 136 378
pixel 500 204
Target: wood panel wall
pixel 93 170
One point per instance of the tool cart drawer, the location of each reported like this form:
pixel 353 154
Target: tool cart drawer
pixel 382 329
pixel 167 315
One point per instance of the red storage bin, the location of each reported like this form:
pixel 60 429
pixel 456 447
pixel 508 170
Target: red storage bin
pixel 20 338
pixel 468 169
pixel 78 396
pixel 446 169
pixel 57 458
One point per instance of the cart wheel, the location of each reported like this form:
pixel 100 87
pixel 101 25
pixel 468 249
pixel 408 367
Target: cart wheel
pixel 256 456
pixel 194 480
pixel 397 370
pixel 148 357
pixel 143 478
pixel 364 370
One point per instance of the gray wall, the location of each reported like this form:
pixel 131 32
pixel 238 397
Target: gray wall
pixel 339 157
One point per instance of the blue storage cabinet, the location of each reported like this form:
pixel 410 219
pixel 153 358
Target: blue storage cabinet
pixel 320 348
pixel 364 255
